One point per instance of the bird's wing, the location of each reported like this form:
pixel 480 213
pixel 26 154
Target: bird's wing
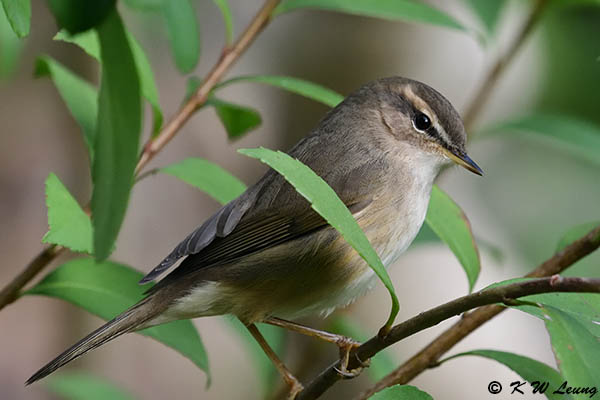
pixel 220 224
pixel 269 213
pixel 250 236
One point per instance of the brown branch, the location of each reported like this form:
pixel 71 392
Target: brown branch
pixel 228 58
pixel 471 321
pixel 500 65
pixel 230 55
pixel 11 291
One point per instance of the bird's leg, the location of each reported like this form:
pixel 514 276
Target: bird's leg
pixel 345 344
pixel 295 385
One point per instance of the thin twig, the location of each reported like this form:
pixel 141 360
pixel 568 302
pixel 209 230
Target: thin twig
pixel 228 58
pixel 471 321
pixel 230 55
pixel 480 99
pixel 11 291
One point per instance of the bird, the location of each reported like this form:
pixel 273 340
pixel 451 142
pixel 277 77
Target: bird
pixel 268 257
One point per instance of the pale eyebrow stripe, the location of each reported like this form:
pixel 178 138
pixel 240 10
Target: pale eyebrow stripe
pixel 422 106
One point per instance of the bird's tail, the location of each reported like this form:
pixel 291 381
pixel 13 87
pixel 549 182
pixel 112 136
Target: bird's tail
pixel 130 320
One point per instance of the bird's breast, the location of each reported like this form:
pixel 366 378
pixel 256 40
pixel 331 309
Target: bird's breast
pixel 395 221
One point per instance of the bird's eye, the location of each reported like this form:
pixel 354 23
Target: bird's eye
pixel 421 122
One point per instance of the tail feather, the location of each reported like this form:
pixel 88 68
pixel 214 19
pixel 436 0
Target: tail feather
pixel 127 321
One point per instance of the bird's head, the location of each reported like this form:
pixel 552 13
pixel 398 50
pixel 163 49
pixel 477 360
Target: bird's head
pixel 418 114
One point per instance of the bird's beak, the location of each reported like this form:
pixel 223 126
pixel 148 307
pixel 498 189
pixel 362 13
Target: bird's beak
pixel 462 159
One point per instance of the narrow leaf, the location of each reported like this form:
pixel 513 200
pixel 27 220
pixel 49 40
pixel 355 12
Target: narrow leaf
pixel 88 42
pixel 80 97
pixel 276 337
pixel 10 48
pixel 145 5
pixel 78 386
pixel 576 350
pixel 227 19
pixel 183 32
pixel 208 177
pixel 451 225
pixel 107 289
pixel 117 135
pixel 488 11
pixel 236 119
pixel 406 10
pixel 182 27
pixel 401 392
pixel 68 225
pixel 18 13
pixel 584 307
pixel 147 83
pixel 575 233
pixel 529 369
pixel 298 86
pixel 193 83
pixel 78 16
pixel 381 364
pixel 578 136
pixel 325 201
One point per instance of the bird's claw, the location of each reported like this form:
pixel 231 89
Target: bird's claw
pixel 295 388
pixel 346 346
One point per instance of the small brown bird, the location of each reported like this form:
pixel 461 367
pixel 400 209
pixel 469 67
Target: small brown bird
pixel 267 255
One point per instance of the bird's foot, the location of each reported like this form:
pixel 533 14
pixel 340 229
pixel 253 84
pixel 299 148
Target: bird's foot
pixel 295 386
pixel 346 346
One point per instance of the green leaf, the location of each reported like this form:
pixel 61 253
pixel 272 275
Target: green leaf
pixel 529 369
pixel 451 225
pixel 78 386
pixel 68 225
pixel 584 307
pixel 298 86
pixel 575 233
pixel 325 201
pixel 576 350
pixel 425 235
pixel 88 41
pixel 18 13
pixel 236 119
pixel 117 136
pixel 406 10
pixel 107 289
pixel 78 16
pixel 183 33
pixel 275 337
pixel 401 392
pixel 488 11
pixel 10 48
pixel 382 363
pixel 578 136
pixel 147 83
pixel 145 5
pixel 193 83
pixel 227 19
pixel 208 177
pixel 80 97
pixel 182 28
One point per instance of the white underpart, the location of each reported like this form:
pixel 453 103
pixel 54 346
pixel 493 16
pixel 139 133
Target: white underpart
pixel 200 302
pixel 407 226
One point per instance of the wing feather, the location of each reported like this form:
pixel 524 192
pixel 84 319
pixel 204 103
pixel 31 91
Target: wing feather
pixel 248 223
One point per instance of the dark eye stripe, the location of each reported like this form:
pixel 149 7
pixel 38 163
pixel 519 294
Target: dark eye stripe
pixel 436 135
